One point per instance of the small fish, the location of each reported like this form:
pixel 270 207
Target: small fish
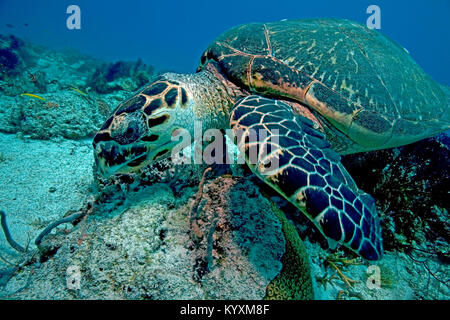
pixel 78 90
pixel 25 24
pixel 33 96
pixel 9 25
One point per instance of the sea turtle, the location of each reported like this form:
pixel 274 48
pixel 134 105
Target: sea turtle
pixel 312 90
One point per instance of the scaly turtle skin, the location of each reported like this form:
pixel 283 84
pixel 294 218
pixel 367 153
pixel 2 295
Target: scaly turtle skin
pixel 311 90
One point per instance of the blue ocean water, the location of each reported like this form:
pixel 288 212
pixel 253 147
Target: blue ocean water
pixel 171 35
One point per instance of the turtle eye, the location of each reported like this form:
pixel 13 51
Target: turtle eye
pixel 128 131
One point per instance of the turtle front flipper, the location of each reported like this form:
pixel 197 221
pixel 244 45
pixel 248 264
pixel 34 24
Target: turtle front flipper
pixel 288 153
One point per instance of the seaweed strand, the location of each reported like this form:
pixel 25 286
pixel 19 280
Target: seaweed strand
pixel 8 236
pixel 53 225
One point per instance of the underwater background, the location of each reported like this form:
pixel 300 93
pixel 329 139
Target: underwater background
pixel 180 232
pixel 172 35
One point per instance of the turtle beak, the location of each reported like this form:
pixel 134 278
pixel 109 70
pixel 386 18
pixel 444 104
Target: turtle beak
pixel 111 157
pixel 101 155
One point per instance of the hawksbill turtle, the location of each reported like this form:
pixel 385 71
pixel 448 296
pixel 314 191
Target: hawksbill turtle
pixel 321 87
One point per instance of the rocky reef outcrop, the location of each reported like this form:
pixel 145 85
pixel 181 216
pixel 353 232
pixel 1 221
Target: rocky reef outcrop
pixel 48 94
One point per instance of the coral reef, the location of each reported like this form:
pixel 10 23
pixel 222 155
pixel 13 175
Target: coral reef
pixel 141 249
pixel 410 186
pixel 11 63
pixel 77 91
pixel 224 217
pixel 64 114
pixel 294 282
pixel 120 75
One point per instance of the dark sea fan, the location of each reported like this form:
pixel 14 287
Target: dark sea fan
pixel 8 61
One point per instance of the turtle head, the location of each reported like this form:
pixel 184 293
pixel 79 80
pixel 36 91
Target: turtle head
pixel 140 129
